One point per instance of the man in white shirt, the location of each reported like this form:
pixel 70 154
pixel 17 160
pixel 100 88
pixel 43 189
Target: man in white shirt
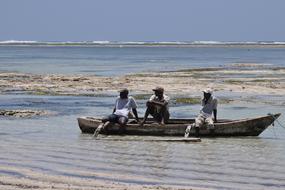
pixel 124 104
pixel 209 107
pixel 157 106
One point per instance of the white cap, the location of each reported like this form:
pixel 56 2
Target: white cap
pixel 208 91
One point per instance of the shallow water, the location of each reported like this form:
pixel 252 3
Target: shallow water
pixel 54 145
pixel 117 61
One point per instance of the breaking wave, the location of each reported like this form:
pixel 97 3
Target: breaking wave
pixel 27 42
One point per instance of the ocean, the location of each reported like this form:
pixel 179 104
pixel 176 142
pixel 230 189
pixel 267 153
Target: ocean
pixel 53 146
pixel 112 61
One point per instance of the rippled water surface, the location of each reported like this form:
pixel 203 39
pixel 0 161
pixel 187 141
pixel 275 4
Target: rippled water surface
pixel 53 146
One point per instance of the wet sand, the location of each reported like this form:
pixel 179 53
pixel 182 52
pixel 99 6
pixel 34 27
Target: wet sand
pixel 237 82
pixel 28 179
pixel 41 181
pixel 238 78
pixel 24 113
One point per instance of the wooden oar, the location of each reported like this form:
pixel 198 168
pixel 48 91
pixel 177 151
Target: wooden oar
pixel 155 139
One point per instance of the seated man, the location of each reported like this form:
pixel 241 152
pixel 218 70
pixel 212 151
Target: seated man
pixel 157 106
pixel 209 107
pixel 124 104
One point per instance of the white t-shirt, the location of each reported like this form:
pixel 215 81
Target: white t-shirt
pixel 124 106
pixel 207 109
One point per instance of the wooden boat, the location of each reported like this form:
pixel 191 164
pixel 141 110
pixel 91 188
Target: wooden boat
pixel 176 127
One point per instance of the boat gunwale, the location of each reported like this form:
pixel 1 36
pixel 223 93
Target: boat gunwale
pixel 274 117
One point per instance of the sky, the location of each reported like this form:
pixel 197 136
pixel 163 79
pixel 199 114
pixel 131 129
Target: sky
pixel 142 20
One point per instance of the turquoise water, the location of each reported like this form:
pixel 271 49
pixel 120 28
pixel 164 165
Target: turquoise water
pixel 54 145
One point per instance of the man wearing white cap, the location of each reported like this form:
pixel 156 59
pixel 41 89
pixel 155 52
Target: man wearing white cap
pixel 209 108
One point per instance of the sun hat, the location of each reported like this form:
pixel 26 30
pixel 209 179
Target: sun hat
pixel 208 91
pixel 158 89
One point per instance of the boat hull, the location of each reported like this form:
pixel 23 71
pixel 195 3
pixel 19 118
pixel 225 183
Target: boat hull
pixel 177 127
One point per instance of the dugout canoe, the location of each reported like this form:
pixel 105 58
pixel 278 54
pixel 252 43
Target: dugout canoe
pixel 176 127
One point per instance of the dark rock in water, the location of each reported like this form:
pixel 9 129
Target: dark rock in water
pixel 23 113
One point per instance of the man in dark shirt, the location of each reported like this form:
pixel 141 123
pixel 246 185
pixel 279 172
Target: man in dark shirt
pixel 157 106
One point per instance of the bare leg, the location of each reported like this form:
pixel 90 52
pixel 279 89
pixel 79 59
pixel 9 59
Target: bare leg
pixel 165 115
pixel 187 131
pixel 199 121
pixel 100 128
pixel 149 110
pixel 122 122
